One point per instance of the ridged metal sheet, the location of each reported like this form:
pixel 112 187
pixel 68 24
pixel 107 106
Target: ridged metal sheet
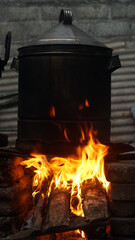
pixel 8 116
pixel 123 97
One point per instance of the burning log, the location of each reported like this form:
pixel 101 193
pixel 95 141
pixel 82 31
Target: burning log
pixel 58 214
pixel 94 203
pixel 37 216
pixel 58 218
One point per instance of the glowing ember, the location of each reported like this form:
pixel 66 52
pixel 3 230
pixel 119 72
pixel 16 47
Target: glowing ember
pixel 52 112
pixel 70 173
pixel 76 234
pixel 80 106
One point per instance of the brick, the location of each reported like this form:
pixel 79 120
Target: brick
pixel 123 227
pixel 79 12
pixel 85 26
pixel 123 10
pixel 123 192
pixel 121 172
pixel 5 209
pixel 34 30
pixel 63 2
pixel 92 11
pixel 122 1
pixel 133 28
pixel 122 208
pixel 5 223
pixel 112 28
pixel 17 30
pixel 13 50
pixel 50 13
pixel 18 13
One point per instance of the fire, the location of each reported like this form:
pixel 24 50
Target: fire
pixel 70 173
pixel 76 234
pixel 80 106
pixel 65 134
pixel 86 104
pixel 52 111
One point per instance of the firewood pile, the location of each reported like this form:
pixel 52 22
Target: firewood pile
pixel 15 193
pixel 23 218
pixel 47 215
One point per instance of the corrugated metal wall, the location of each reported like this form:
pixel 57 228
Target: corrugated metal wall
pixel 8 103
pixel 123 97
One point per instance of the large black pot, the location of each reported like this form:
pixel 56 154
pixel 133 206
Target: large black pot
pixel 60 71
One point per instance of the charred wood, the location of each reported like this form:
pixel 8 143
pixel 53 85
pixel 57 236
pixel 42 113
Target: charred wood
pixel 10 177
pixel 58 218
pixel 12 192
pixel 58 213
pixel 94 202
pixel 38 212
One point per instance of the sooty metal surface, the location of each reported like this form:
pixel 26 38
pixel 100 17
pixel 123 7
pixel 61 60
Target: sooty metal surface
pixel 62 70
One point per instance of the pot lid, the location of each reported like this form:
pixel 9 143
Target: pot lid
pixel 65 36
pixel 66 33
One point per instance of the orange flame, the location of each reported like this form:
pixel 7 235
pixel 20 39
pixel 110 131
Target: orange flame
pixel 70 173
pixel 86 103
pixel 52 111
pixel 82 138
pixel 43 171
pixel 80 106
pixel 65 134
pixel 76 234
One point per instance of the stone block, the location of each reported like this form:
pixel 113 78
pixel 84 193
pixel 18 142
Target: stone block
pixel 122 1
pixel 5 224
pixel 123 10
pixel 133 28
pixel 122 208
pixel 86 26
pixel 91 11
pixel 14 47
pixel 123 192
pixel 17 30
pixel 123 227
pixel 6 209
pixel 50 13
pixel 15 14
pixel 121 172
pixel 87 11
pixel 112 28
pixel 34 30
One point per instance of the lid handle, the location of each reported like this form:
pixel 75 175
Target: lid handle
pixel 66 17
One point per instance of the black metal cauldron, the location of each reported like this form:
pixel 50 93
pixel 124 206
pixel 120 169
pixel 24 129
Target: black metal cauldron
pixel 62 72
